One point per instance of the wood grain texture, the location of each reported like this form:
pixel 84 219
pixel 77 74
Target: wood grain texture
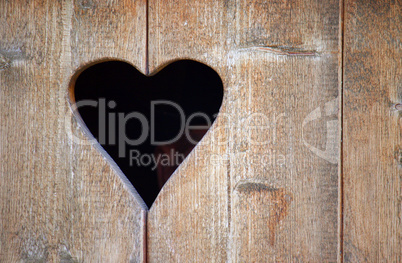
pixel 262 186
pixel 372 131
pixel 61 201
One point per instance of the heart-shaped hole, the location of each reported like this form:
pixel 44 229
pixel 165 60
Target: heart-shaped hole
pixel 148 124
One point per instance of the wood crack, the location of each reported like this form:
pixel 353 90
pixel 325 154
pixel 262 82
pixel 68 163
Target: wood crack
pixel 286 50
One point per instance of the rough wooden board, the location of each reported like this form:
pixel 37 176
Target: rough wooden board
pixel 278 59
pixel 189 218
pixel 60 201
pixel 372 131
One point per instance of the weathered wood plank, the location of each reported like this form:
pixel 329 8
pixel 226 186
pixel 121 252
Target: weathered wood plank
pixel 61 201
pixel 263 184
pixel 372 148
pixel 188 222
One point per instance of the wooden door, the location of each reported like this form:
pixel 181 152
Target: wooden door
pixel 303 163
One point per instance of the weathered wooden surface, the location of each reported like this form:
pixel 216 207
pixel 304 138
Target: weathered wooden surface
pixel 249 194
pixel 262 186
pixel 61 201
pixel 372 130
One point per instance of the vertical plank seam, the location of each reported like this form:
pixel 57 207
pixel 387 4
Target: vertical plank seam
pixel 147 37
pixel 229 210
pixel 341 99
pixel 145 237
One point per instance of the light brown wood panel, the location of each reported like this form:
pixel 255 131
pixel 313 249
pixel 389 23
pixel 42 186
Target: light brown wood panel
pixel 372 148
pixel 189 219
pixel 61 201
pixel 262 186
